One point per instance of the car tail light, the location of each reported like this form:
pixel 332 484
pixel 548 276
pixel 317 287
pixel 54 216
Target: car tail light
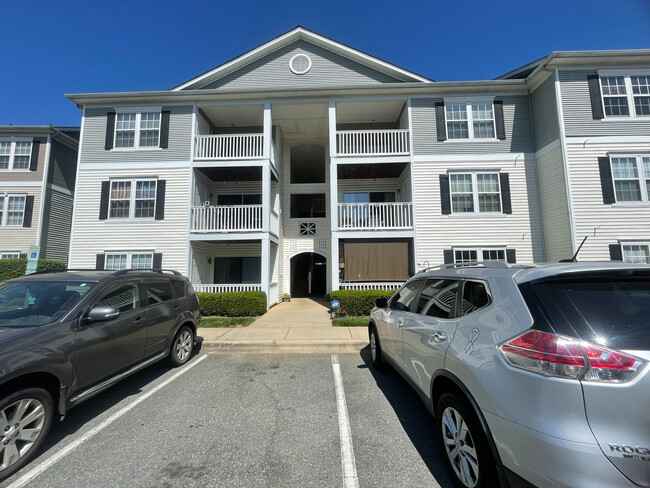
pixel 564 357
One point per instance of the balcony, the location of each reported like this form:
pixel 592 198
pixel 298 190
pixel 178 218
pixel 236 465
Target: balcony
pixel 375 216
pixel 390 142
pixel 233 218
pixel 235 147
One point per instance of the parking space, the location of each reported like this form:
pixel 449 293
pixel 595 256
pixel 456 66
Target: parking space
pixel 244 420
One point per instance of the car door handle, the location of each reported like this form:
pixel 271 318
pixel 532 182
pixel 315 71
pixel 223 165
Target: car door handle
pixel 176 307
pixel 400 323
pixel 439 336
pixel 138 321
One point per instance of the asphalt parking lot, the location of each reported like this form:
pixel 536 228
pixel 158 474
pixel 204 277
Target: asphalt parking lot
pixel 244 420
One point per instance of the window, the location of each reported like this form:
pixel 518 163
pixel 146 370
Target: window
pixel 179 288
pixel 125 298
pixel 124 203
pixel 464 256
pixel 9 255
pixel 369 197
pixel 636 253
pixel 475 296
pixel 404 298
pixel 470 120
pixel 12 210
pixel 15 154
pixel 130 260
pixel 137 130
pixel 631 175
pixel 158 292
pixel 236 270
pixel 438 298
pixel 307 228
pixel 252 199
pixel 475 192
pixel 308 205
pixel 626 95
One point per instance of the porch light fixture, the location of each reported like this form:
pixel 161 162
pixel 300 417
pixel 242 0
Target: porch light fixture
pixel 209 260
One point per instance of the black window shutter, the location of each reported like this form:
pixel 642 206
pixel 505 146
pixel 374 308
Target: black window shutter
pixel 160 200
pixel 505 193
pixel 448 255
pixel 445 196
pixel 164 129
pixel 500 125
pixel 23 255
pixel 110 130
pixel 29 210
pixel 33 162
pixel 157 260
pixel 606 181
pixel 103 204
pixel 594 96
pixel 441 127
pixel 511 255
pixel 615 252
pixel 99 262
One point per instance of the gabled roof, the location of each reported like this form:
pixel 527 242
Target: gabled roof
pixel 300 33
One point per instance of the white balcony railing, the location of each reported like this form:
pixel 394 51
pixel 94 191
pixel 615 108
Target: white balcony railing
pixel 375 216
pixel 230 146
pixel 394 142
pixel 371 286
pixel 238 218
pixel 221 288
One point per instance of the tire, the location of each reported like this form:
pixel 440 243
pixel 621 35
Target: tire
pixel 26 418
pixel 182 346
pixel 468 454
pixel 375 349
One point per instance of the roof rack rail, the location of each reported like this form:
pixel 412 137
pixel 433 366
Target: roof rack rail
pixel 470 264
pixel 146 270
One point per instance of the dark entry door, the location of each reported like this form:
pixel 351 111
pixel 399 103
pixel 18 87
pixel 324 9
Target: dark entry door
pixel 308 275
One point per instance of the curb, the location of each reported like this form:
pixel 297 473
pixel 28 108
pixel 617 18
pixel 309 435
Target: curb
pixel 284 346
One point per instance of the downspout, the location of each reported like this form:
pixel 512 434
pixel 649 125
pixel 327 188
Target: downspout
pixel 539 195
pixel 44 191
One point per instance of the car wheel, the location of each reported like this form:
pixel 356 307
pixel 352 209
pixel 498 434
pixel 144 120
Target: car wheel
pixel 375 349
pixel 25 419
pixel 182 346
pixel 463 441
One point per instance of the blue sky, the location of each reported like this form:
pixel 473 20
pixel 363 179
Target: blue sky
pixel 53 48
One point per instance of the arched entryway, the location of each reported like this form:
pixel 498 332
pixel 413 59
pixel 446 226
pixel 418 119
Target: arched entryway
pixel 308 275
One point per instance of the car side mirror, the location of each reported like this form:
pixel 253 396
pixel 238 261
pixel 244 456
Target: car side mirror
pixel 100 314
pixel 381 302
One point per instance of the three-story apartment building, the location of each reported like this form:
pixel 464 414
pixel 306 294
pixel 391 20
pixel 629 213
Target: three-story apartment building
pixel 305 166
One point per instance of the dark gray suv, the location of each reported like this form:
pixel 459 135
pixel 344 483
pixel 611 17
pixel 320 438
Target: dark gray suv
pixel 65 337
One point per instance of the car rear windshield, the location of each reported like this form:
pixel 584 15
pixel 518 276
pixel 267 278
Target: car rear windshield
pixel 611 309
pixel 33 303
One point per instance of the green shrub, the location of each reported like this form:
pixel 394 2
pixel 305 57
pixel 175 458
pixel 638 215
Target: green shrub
pixel 13 268
pixel 358 302
pixel 233 304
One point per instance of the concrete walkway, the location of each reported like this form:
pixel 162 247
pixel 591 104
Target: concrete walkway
pixel 301 325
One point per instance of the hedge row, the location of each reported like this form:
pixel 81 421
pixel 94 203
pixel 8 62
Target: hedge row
pixel 233 304
pixel 359 302
pixel 13 268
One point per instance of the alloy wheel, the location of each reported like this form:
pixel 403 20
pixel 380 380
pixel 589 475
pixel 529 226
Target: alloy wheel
pixel 183 346
pixel 21 424
pixel 460 447
pixel 373 346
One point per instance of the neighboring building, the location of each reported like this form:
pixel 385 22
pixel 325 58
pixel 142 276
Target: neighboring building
pixel 306 166
pixel 37 183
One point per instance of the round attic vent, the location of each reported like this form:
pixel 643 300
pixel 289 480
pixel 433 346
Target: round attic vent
pixel 300 64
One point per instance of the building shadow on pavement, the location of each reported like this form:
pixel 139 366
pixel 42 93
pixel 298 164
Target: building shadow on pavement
pixel 414 416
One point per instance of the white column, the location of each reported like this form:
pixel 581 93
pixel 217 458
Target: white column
pixel 267 131
pixel 334 271
pixel 266 265
pixel 266 196
pixel 334 197
pixel 332 126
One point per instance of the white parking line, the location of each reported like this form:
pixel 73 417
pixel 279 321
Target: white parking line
pixel 38 470
pixel 348 463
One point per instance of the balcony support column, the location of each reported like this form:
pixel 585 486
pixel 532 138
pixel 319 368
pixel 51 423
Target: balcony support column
pixel 266 268
pixel 334 272
pixel 266 152
pixel 266 196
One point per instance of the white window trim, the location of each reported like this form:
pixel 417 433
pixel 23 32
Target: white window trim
pixel 4 254
pixel 475 193
pixel 132 200
pixel 12 152
pixel 632 243
pixel 470 122
pixel 640 178
pixel 138 115
pixel 5 211
pixel 628 93
pixel 479 252
pixel 129 257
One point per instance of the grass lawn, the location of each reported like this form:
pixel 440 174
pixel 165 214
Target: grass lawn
pixel 226 321
pixel 350 322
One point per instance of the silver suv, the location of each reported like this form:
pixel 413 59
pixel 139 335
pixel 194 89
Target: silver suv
pixel 537 376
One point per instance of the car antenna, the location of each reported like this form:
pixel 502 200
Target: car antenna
pixel 574 259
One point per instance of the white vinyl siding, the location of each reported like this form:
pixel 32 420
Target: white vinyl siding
pixel 15 153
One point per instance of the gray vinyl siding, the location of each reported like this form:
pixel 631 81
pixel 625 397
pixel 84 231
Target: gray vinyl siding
pixel 20 238
pixel 437 232
pixel 327 69
pixel 57 219
pixel 604 224
pixel 516 115
pixel 554 206
pixel 94 139
pixel 578 117
pixel 545 115
pixel 63 165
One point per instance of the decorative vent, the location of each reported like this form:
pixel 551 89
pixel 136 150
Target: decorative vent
pixel 307 228
pixel 322 245
pixel 293 246
pixel 300 64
